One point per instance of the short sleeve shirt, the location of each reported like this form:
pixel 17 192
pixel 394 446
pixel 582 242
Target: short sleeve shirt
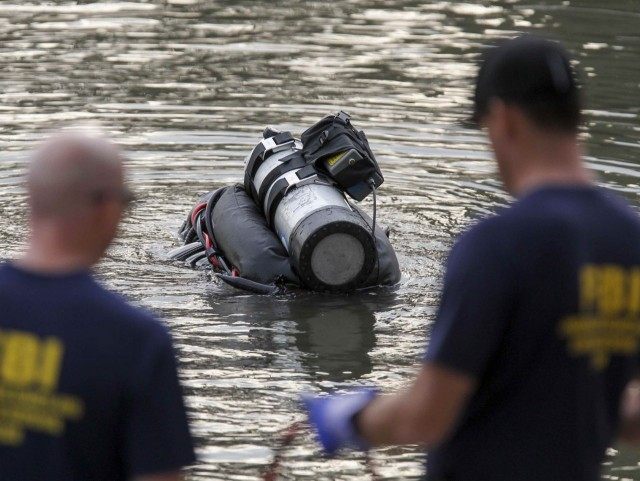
pixel 541 305
pixel 88 384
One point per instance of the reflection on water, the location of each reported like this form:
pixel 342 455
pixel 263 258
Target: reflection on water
pixel 187 86
pixel 332 347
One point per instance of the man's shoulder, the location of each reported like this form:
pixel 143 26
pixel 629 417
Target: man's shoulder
pixel 487 230
pixel 128 316
pixel 593 202
pixel 485 242
pixel 622 208
pixel 509 230
pixel 551 215
pixel 112 314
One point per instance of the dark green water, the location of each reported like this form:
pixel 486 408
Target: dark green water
pixel 187 86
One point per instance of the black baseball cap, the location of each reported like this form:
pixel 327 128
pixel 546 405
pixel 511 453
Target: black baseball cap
pixel 534 73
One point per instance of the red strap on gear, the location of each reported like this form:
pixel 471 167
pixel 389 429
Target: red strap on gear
pixel 196 210
pixel 208 243
pixel 213 259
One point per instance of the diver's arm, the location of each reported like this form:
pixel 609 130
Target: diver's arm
pixel 629 430
pixel 423 414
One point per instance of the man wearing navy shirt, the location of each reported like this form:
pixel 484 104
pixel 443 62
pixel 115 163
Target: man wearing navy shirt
pixel 88 383
pixel 529 371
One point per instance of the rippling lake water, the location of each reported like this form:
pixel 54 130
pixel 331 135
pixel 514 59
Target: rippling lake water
pixel 187 87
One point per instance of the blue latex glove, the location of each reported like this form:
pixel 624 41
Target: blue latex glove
pixel 332 418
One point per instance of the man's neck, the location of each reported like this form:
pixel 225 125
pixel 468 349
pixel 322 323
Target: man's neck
pixel 550 163
pixel 541 178
pixel 47 255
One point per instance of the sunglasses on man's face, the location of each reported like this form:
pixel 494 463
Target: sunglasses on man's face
pixel 127 197
pixel 124 195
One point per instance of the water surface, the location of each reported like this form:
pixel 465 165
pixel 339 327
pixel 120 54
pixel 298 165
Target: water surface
pixel 187 87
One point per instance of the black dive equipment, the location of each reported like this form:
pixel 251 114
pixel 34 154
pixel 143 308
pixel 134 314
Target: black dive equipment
pixel 290 223
pixel 336 146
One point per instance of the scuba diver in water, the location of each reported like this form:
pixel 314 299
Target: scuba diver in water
pixel 290 222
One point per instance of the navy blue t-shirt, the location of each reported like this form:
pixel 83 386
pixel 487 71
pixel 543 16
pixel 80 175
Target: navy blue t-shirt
pixel 88 384
pixel 541 304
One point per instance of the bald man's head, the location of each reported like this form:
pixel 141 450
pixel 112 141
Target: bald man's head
pixel 69 172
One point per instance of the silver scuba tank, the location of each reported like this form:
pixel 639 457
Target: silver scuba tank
pixel 330 245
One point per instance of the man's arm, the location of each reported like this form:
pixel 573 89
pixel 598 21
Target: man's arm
pixel 423 414
pixel 629 430
pixel 475 309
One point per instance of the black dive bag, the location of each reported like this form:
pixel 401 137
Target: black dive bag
pixel 241 232
pixel 333 145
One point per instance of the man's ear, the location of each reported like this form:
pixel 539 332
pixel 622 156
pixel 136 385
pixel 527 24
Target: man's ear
pixel 497 119
pixel 520 123
pixel 108 212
